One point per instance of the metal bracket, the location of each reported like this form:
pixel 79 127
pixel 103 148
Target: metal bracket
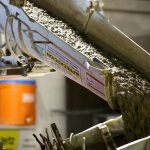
pixel 107 137
pixel 95 5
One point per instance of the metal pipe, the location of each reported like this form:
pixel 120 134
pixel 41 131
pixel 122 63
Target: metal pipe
pixel 94 136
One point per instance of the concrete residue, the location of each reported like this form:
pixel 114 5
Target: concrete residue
pixel 126 90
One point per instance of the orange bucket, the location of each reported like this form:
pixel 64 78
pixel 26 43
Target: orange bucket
pixel 17 101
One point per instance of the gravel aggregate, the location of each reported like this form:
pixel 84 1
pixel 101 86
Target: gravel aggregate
pixel 131 93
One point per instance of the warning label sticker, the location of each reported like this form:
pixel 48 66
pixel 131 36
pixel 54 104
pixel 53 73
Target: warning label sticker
pixel 63 62
pixel 10 138
pixel 95 84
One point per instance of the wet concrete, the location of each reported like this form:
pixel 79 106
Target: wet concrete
pixel 127 91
